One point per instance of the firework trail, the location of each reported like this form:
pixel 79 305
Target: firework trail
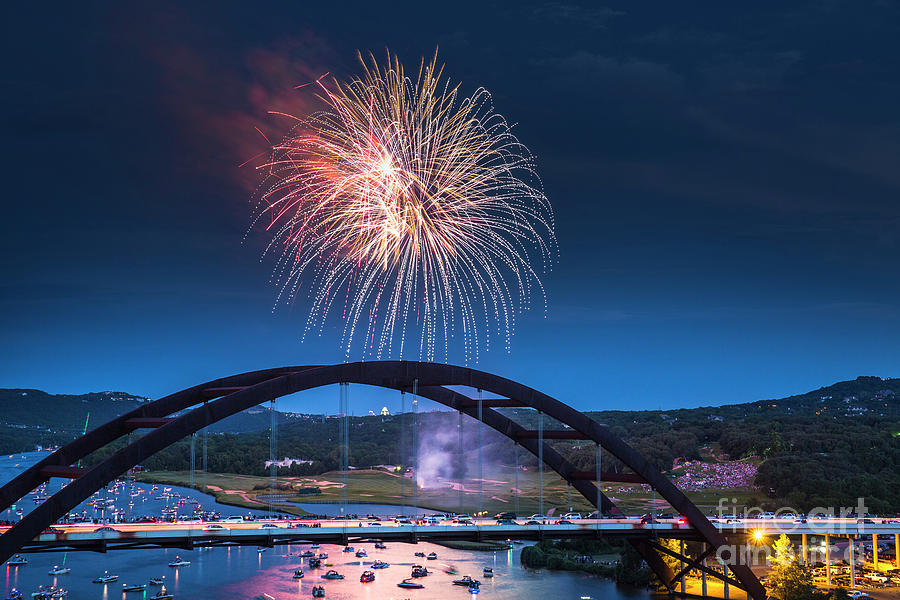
pixel 409 211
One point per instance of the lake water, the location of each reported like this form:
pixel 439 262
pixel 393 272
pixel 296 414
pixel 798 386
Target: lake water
pixel 245 573
pixel 330 510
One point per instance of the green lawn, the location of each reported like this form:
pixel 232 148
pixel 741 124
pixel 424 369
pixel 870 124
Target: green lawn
pixel 495 494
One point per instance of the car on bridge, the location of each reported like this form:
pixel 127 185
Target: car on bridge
pixel 233 519
pixel 270 526
pixel 572 515
pixel 215 527
pixel 190 520
pixel 106 529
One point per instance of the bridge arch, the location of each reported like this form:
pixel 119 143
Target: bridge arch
pixel 215 400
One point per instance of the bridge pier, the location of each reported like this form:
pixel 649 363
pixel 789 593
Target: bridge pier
pixel 681 568
pixel 852 564
pixel 804 549
pixel 897 550
pixel 703 572
pixel 828 559
pixel 725 582
pixel 875 550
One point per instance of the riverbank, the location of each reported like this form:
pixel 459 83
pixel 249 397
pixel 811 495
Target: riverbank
pixel 473 546
pixel 226 488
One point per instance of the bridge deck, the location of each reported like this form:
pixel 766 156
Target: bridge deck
pixel 191 535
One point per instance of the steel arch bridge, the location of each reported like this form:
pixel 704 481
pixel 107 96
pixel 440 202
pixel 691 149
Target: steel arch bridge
pixel 213 401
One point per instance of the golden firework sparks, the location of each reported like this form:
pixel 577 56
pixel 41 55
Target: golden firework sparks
pixel 412 210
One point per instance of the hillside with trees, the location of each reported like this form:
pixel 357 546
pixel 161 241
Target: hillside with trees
pixel 844 439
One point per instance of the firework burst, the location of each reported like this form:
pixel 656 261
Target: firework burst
pixel 411 212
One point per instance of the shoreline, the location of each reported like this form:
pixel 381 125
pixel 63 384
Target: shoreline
pixel 243 499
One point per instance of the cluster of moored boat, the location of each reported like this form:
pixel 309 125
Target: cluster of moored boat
pixel 418 571
pixel 52 592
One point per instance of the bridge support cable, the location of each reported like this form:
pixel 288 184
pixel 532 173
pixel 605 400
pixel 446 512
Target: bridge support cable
pixel 345 445
pixel 403 452
pixel 205 455
pixel 415 449
pixel 460 464
pixel 541 461
pixel 516 480
pixel 193 461
pixel 480 453
pixel 273 456
pixel 598 467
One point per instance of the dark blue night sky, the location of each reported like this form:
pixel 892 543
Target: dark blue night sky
pixel 725 179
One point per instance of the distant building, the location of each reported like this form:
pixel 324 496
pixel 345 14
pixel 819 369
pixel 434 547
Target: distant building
pixel 385 412
pixel 287 462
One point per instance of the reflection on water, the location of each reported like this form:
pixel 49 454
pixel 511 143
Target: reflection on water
pixel 243 573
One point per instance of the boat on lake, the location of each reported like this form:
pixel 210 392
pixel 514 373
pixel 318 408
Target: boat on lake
pixel 49 593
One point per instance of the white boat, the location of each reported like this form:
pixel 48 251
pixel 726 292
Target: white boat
pixel 162 595
pixel 106 578
pixel 138 587
pixel 49 593
pixel 179 562
pixel 57 570
pixel 17 560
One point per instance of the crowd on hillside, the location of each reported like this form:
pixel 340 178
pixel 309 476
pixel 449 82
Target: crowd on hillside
pixel 732 474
